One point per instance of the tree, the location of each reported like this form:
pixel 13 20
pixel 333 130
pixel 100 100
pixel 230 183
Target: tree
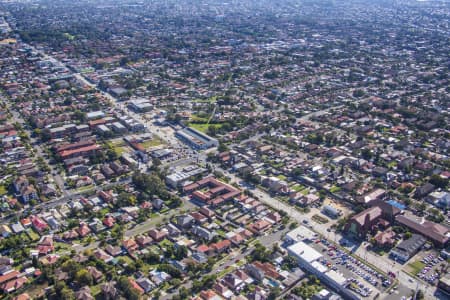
pixel 212 130
pixel 421 207
pixel 175 282
pixel 181 252
pixel 366 154
pixel 171 270
pixel 274 293
pixel 67 294
pixel 289 262
pixel 79 115
pixel 45 135
pixel 150 183
pixel 358 93
pixel 83 277
pixel 222 147
pixel 420 295
pixel 127 289
pixel 438 181
pixel 63 292
pixel 71 267
pixel 205 283
pixel 260 253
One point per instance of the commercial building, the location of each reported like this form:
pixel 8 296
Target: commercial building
pixel 196 139
pixel 140 105
pixel 211 191
pixel 408 248
pixel 331 211
pixel 444 284
pixel 437 233
pixel 95 115
pixel 308 259
pixel 177 179
pixel 299 234
pixel 379 216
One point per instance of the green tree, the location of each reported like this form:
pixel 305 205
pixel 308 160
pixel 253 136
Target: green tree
pixel 438 181
pixel 83 277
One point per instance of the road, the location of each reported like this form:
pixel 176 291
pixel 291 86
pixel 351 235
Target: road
pixel 64 199
pixel 38 148
pixel 267 240
pixel 405 279
pixel 406 282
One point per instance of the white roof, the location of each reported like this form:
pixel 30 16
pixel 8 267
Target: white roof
pixel 336 277
pixel 300 233
pixel 95 114
pixel 319 267
pixel 305 252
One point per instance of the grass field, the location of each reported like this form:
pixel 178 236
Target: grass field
pixel 203 127
pixel 84 189
pixel 118 146
pixel 298 187
pixel 319 219
pixel 224 272
pixel 281 177
pixel 33 235
pixel 335 189
pixel 416 267
pixel 3 190
pixel 209 100
pixel 198 119
pixel 152 143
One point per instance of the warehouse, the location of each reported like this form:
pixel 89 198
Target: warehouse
pixel 308 259
pixel 196 139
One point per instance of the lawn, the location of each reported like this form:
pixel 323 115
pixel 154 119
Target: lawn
pixel 221 232
pixel 212 99
pixel 277 165
pixel 119 150
pixel 69 36
pixel 96 289
pixel 298 188
pixel 198 119
pixel 225 272
pixel 203 127
pixel 165 243
pixel 392 164
pixel 84 189
pixel 125 258
pixel 151 143
pixel 282 177
pixel 63 246
pixel 3 190
pixel 416 267
pixel 319 219
pixel 335 189
pixel 164 210
pixel 33 235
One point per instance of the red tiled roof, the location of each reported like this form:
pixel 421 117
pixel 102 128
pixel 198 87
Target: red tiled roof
pixel 67 153
pixel 9 276
pixel 38 223
pixel 221 245
pixel 136 286
pixel 203 248
pixel 13 285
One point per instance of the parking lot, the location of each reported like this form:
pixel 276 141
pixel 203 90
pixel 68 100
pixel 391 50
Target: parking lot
pixel 364 280
pixel 428 267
